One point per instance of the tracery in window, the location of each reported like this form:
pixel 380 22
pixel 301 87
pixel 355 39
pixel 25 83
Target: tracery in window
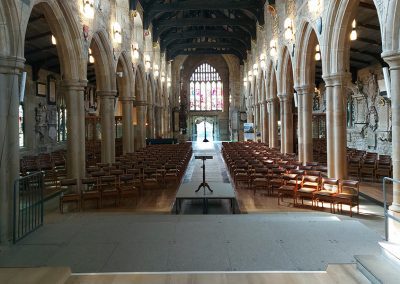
pixel 206 89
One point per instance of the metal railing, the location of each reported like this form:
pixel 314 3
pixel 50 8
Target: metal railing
pixel 385 207
pixel 28 205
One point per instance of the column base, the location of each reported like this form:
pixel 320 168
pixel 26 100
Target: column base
pixel 394 226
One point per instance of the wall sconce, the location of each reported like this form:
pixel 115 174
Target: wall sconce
pixel 147 63
pixel 317 53
pixel 135 51
pixel 262 61
pixel 53 40
pixel 250 75
pixel 255 68
pixel 245 82
pixel 91 58
pixel 162 77
pixel 156 72
pixel 117 33
pixel 314 6
pixel 168 82
pixel 288 25
pixel 88 8
pixel 273 52
pixel 353 34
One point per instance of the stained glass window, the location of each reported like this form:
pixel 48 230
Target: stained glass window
pixel 206 89
pixel 21 125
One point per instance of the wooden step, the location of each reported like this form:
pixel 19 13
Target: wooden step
pixel 39 275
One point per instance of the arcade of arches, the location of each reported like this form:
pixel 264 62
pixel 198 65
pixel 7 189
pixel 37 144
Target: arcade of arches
pixel 95 80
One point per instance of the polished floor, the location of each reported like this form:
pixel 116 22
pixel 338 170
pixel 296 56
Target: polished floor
pixel 140 239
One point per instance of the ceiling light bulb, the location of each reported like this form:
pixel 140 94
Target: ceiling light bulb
pixel 317 48
pixel 91 59
pixel 287 23
pixel 353 35
pixel 317 56
pixel 88 8
pixel 354 24
pixel 255 68
pixel 53 40
pixel 288 33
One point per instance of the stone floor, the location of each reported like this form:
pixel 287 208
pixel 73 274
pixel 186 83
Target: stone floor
pixel 122 240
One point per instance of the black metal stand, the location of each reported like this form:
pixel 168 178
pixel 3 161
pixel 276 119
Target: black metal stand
pixel 204 184
pixel 205 134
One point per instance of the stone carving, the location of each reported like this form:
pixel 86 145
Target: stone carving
pixel 41 122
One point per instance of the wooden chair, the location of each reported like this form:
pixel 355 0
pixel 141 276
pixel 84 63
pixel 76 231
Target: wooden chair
pixel 349 195
pixel 127 188
pixel 69 193
pixel 329 189
pixel 90 191
pixel 309 185
pixel 289 187
pixel 259 179
pixel 275 179
pixel 108 189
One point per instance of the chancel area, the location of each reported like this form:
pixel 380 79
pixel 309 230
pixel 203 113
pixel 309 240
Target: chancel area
pixel 186 141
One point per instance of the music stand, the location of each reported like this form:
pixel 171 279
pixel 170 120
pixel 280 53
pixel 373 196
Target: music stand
pixel 204 184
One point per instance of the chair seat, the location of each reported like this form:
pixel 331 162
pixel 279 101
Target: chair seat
pixel 325 193
pixel 346 196
pixel 70 197
pixel 286 188
pixel 312 184
pixel 307 190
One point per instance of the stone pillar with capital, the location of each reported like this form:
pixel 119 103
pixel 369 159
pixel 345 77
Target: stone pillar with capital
pixel 308 124
pixel 107 118
pixel 150 120
pixel 76 140
pixel 273 123
pixel 10 68
pixel 127 127
pixel 330 133
pixel 286 123
pixel 393 59
pixel 265 123
pixel 141 107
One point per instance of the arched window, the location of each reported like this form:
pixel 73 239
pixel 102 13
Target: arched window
pixel 21 125
pixel 206 89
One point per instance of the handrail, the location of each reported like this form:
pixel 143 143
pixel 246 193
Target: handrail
pixel 385 207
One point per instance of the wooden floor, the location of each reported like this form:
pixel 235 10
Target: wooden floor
pixel 335 274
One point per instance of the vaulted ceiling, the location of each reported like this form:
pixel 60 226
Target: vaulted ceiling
pixel 204 27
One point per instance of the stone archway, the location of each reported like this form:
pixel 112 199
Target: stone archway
pixel 272 106
pixel 140 104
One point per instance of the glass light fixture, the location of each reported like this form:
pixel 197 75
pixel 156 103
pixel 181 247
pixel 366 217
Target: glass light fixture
pixel 314 5
pixel 135 51
pixel 91 58
pixel 162 77
pixel 117 33
pixel 53 40
pixel 262 61
pixel 272 46
pixel 245 82
pixel 88 8
pixel 156 72
pixel 250 75
pixel 353 34
pixel 255 68
pixel 168 82
pixel 288 25
pixel 147 63
pixel 317 53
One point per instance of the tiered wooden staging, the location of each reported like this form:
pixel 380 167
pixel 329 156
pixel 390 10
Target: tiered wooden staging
pixel 256 167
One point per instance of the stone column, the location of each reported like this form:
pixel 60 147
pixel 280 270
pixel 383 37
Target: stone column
pixel 76 140
pixel 256 122
pixel 286 123
pixel 141 123
pixel 340 126
pixel 127 127
pixel 300 133
pixel 107 115
pixel 330 145
pixel 10 68
pixel 273 123
pixel 394 62
pixel 307 124
pixel 150 120
pixel 265 121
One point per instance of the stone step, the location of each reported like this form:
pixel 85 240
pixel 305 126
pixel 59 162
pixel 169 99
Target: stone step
pixel 378 268
pixel 338 273
pixel 35 275
pixel 391 251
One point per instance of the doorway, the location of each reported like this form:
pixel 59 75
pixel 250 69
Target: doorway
pixel 204 130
